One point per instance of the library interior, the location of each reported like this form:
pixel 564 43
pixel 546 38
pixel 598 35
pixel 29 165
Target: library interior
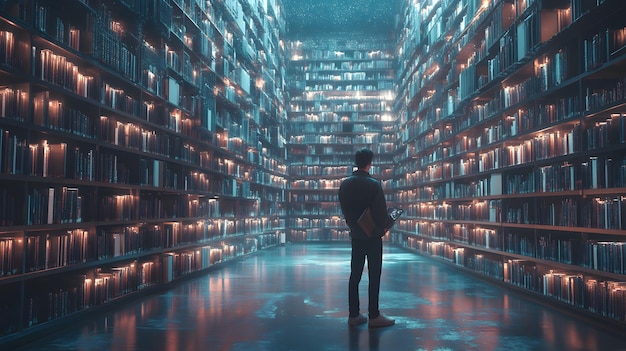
pixel 169 173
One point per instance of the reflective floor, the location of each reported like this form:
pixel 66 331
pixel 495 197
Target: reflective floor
pixel 294 297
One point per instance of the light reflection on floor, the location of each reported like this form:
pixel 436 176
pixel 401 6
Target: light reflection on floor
pixel 294 297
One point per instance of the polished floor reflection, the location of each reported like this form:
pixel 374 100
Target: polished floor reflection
pixel 294 297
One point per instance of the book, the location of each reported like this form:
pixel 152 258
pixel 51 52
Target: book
pixel 366 222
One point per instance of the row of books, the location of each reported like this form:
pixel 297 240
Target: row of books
pixel 524 274
pixel 346 75
pixel 108 44
pixel 56 114
pixel 432 138
pixel 343 106
pixel 58 160
pixel 305 222
pixel 316 98
pixel 485 265
pixel 605 297
pixel 110 49
pixel 151 79
pixel 328 209
pixel 556 213
pixel 530 32
pixel 582 173
pixel 415 128
pixel 433 229
pixel 548 73
pixel 605 256
pixel 338 139
pixel 313 196
pixel 541 147
pixel 56 303
pixel 505 57
pixel 13 103
pixel 65 248
pixel 59 249
pixel 591 173
pixel 472 211
pixel 49 300
pixel 314 184
pixel 609 131
pixel 524 120
pixel 564 177
pixel 180 264
pixel 489 135
pixel 519 243
pixel 342 86
pixel 561 109
pixel 10 255
pixel 13 152
pixel 520 120
pixel 304 106
pixel 486 237
pixel 137 137
pixel 333 117
pixel 150 206
pixel 605 213
pixel 435 156
pixel 552 71
pixel 600 47
pixel 342 127
pixel 7 48
pixel 597 98
pixel 58 70
pixel 63 31
pixel 117 99
pixel 596 212
pixel 373 56
pixel 54 205
pixel 307 170
pixel 319 234
pixel 134 136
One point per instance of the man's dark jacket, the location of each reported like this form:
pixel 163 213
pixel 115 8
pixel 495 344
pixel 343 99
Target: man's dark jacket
pixel 356 193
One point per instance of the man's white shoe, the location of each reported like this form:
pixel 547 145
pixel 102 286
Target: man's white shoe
pixel 381 321
pixel 360 319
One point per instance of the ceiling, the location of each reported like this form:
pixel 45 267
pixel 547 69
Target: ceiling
pixel 314 17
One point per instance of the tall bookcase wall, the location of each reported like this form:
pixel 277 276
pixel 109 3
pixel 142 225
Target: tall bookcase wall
pixel 139 143
pixel 342 94
pixel 512 145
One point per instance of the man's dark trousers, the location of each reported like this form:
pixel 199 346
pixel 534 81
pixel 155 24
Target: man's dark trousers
pixel 372 249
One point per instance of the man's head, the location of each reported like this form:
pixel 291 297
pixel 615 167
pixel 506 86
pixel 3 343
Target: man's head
pixel 363 158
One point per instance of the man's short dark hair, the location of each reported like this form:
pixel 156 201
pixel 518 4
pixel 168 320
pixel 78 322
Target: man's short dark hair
pixel 363 157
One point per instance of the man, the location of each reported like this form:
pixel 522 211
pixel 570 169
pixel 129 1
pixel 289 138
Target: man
pixel 356 193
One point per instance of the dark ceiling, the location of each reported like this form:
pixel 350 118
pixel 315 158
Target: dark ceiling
pixel 312 17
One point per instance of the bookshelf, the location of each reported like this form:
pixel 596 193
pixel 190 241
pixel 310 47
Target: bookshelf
pixel 140 142
pixel 341 99
pixel 512 145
